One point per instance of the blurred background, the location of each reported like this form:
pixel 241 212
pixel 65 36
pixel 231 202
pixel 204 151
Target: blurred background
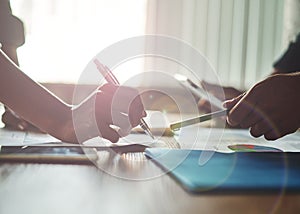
pixel 241 38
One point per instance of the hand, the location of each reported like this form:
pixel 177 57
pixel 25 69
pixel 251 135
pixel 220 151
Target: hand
pixel 119 106
pixel 270 108
pixel 14 122
pixel 110 105
pixel 220 92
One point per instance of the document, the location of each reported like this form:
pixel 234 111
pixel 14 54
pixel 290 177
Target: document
pixel 19 138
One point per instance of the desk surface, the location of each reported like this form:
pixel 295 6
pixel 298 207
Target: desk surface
pixel 39 188
pixel 49 188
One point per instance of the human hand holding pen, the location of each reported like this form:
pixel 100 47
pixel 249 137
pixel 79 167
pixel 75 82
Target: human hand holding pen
pixel 92 117
pixel 110 78
pixel 110 112
pixel 269 108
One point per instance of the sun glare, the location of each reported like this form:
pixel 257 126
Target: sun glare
pixel 63 36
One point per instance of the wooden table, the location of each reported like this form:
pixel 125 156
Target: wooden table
pixel 54 188
pixel 50 188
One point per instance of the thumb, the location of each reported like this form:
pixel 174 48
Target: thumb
pixel 229 104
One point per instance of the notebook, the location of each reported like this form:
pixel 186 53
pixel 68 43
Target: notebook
pixel 231 172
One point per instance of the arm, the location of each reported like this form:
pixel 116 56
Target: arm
pixel 289 61
pixel 32 101
pixel 36 104
pixel 270 108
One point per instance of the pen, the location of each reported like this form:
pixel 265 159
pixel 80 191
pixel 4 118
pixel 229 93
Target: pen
pixel 109 77
pixel 205 117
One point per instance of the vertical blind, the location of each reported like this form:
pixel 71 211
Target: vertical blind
pixel 241 38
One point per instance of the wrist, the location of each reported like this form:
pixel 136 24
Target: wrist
pixel 83 119
pixel 62 126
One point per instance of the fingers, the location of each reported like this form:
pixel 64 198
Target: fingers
pixel 251 119
pixel 274 134
pixel 260 128
pixel 126 100
pixel 122 121
pixel 108 133
pixel 270 130
pixel 11 120
pixel 230 103
pixel 248 112
pixel 119 106
pixel 281 127
pixel 244 105
pixel 121 127
pixel 268 108
pixel 123 99
pixel 136 111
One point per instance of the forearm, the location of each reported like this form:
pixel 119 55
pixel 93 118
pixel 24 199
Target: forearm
pixel 33 102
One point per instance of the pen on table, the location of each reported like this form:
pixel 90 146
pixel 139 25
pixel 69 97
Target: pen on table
pixel 109 77
pixel 192 121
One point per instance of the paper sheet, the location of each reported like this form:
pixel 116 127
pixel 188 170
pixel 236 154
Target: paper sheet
pixel 219 139
pixel 19 138
pixel 194 137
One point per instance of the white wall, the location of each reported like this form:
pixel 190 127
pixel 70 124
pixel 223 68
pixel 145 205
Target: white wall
pixel 291 20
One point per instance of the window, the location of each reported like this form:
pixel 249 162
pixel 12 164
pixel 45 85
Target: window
pixel 63 36
pixel 241 38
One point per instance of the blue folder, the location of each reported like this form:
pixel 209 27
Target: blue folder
pixel 231 172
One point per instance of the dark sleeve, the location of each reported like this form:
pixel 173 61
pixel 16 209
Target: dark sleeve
pixel 12 31
pixel 290 61
pixel 5 7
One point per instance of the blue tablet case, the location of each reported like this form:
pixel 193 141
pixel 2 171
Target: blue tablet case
pixel 231 172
